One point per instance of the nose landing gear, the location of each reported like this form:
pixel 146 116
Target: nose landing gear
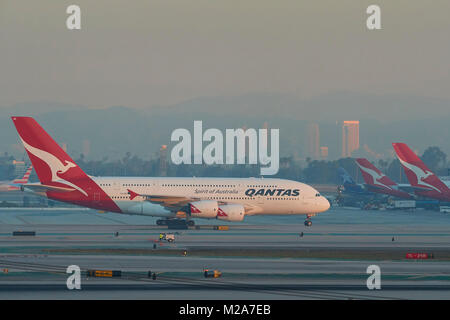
pixel 308 222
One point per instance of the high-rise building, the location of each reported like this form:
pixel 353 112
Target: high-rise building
pixel 350 137
pixel 313 141
pixel 324 153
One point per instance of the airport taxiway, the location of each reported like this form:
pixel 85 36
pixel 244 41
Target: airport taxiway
pixel 263 258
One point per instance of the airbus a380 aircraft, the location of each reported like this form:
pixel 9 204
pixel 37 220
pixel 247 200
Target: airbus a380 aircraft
pixel 227 199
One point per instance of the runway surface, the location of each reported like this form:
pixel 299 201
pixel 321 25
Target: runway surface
pixel 262 258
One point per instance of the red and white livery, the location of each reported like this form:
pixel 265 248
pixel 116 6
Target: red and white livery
pixel 227 199
pixel 378 182
pixel 424 182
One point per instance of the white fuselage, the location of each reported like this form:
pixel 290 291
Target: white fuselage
pixel 258 196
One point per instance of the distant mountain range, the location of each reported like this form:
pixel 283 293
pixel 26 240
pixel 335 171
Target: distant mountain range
pixel 113 131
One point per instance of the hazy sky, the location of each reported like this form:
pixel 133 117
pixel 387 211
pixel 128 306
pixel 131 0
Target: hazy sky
pixel 141 53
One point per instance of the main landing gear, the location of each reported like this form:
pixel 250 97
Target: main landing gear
pixel 175 222
pixel 308 221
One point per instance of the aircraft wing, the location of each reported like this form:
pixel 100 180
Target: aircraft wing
pixel 178 202
pixel 170 202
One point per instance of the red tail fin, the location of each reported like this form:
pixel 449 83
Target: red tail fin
pixel 56 168
pixel 373 176
pixel 51 163
pixel 416 171
pixel 25 177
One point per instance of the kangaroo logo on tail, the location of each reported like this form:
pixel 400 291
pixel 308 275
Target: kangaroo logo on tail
pixel 421 174
pixel 375 176
pixel 55 165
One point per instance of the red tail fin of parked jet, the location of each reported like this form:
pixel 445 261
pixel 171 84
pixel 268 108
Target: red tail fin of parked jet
pixel 25 177
pixel 378 182
pixel 61 179
pixel 425 182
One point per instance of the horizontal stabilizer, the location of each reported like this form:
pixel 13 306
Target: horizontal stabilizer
pixel 41 188
pixel 372 186
pixel 422 188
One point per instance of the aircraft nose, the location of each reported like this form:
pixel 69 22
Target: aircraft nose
pixel 324 204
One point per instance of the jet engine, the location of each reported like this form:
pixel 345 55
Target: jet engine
pixel 203 209
pixel 231 212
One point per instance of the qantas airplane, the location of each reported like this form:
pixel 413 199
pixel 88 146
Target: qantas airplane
pixel 424 182
pixel 16 184
pixel 228 199
pixel 378 182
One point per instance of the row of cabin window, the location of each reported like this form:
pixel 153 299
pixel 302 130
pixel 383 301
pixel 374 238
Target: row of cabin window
pixel 186 185
pixel 219 198
pixel 199 185
pixel 264 186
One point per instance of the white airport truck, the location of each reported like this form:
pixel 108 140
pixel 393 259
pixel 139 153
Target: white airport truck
pixel 444 209
pixel 403 205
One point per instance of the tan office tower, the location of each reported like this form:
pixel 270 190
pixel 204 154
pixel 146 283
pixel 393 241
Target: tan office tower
pixel 313 141
pixel 324 153
pixel 350 137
